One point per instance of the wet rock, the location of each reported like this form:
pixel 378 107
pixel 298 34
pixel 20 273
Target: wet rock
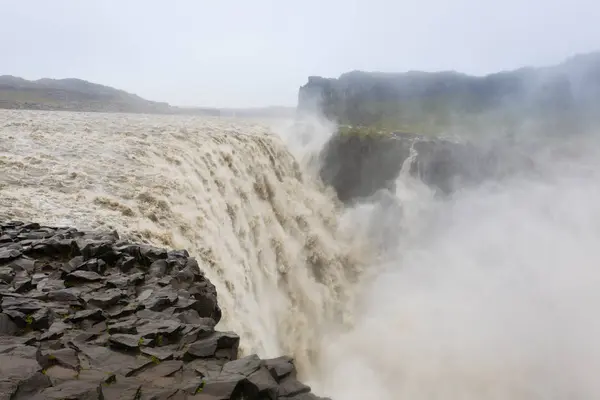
pixel 98 249
pixel 291 387
pixel 37 278
pixel 7 255
pixel 17 317
pixel 66 357
pixel 23 264
pixel 192 317
pixel 21 304
pixel 86 276
pixel 58 374
pixel 112 320
pixel 42 319
pixel 7 274
pixel 14 372
pixel 128 342
pixel 243 366
pixel 165 281
pixel 71 390
pixel 7 326
pixel 160 353
pixel 158 268
pixel 104 360
pixel 72 264
pixel 145 295
pixel 80 337
pixel 68 295
pixel 63 247
pixel 160 370
pixel 120 281
pixel 96 315
pixel 305 396
pixel 46 248
pixel 93 265
pixel 163 392
pixel 137 278
pixel 129 309
pixel 23 351
pixel 160 300
pixel 206 367
pixel 281 367
pixel 105 299
pixel 178 254
pixel 126 263
pixel 128 326
pixel 32 385
pixel 100 340
pixel 225 387
pixel 208 347
pixel 192 333
pixel 149 254
pixel 23 284
pixel 206 306
pixel 266 386
pixel 89 374
pixel 123 389
pixel 26 226
pixel 155 328
pixel 50 285
pixel 56 330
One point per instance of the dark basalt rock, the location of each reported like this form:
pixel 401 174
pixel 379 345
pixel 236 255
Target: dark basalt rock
pixel 86 316
pixel 357 166
pixel 7 326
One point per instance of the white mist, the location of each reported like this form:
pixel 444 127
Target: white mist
pixel 489 294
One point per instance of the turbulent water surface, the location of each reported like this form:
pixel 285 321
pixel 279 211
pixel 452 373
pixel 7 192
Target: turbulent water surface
pixel 228 191
pixel 490 293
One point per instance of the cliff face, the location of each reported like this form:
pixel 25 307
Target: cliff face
pixel 86 315
pixel 421 101
pixel 357 167
pixel 358 161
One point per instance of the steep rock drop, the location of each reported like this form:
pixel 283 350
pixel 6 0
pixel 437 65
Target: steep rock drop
pixel 85 315
pixel 265 234
pixel 487 292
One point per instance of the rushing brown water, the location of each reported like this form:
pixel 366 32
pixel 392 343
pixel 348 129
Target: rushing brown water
pixel 226 190
pixel 490 293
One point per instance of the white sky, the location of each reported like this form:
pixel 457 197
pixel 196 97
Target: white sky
pixel 245 53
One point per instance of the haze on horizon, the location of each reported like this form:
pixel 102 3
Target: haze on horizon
pixel 250 54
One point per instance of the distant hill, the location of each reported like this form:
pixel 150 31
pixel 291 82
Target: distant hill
pixel 79 95
pixel 431 101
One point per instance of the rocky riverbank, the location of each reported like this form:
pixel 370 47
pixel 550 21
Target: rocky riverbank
pixel 89 316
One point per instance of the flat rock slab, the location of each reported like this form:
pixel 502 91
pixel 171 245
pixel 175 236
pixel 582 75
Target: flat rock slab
pixel 15 372
pixel 161 370
pixel 71 390
pixel 87 276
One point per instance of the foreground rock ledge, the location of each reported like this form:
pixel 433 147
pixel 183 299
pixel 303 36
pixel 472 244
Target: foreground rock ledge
pixel 88 316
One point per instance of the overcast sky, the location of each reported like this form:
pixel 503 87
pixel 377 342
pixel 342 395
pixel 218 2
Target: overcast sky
pixel 258 52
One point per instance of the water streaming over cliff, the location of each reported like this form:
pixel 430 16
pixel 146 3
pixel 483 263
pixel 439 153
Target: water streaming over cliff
pixel 489 293
pixel 228 191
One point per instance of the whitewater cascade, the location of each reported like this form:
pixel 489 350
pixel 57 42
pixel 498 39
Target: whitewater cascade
pixel 488 293
pixel 228 191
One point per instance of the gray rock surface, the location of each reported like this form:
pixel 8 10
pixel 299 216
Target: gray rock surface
pixel 357 167
pixel 89 318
